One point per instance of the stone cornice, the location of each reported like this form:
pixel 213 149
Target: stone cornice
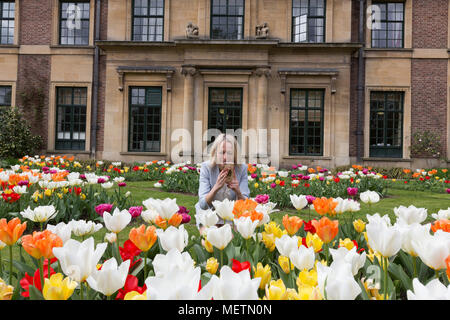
pixel 167 70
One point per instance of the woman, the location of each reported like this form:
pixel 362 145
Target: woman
pixel 221 177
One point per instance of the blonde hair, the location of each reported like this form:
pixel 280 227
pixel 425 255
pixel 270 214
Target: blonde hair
pixel 218 142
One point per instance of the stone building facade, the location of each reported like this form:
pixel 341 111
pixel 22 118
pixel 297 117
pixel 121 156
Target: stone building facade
pixel 301 81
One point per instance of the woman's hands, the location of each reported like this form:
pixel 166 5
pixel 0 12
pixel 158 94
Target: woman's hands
pixel 221 179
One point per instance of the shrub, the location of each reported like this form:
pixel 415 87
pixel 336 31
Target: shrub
pixel 16 139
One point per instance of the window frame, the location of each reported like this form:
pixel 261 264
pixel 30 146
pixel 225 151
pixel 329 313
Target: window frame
pixel 387 21
pixel 226 15
pixel 324 17
pixel 71 106
pixel 305 130
pixel 146 105
pixel 148 16
pixel 10 98
pixel 7 19
pixel 383 151
pixel 60 23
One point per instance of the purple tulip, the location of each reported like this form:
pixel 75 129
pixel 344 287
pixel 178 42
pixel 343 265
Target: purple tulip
pixel 122 184
pixel 365 171
pixel 321 178
pixel 305 177
pixel 294 167
pixel 448 190
pixel 23 183
pixel 273 185
pixel 299 175
pixel 182 210
pixel 53 171
pixel 262 198
pixel 299 165
pixel 45 168
pixel 135 211
pixel 101 180
pixel 293 176
pixel 310 199
pixel 83 176
pixel 185 218
pixel 254 175
pixel 352 191
pixel 101 208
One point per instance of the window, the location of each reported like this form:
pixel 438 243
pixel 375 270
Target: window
pixel 388 33
pixel 5 96
pixel 74 23
pixel 227 19
pixel 148 20
pixel 308 20
pixel 386 124
pixel 145 119
pixel 306 122
pixel 71 118
pixel 225 109
pixel 7 9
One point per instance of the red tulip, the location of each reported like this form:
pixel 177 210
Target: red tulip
pixel 26 281
pixel 240 266
pixel 131 284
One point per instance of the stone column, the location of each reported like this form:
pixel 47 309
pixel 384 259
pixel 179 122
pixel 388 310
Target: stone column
pixel 188 111
pixel 262 122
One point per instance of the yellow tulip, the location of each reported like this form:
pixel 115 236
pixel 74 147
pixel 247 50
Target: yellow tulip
pixel 57 288
pixel 347 243
pixel 212 265
pixel 276 290
pixel 208 246
pixel 83 196
pixel 65 190
pixel 48 192
pixel 256 185
pixel 372 289
pixel 264 273
pixel 359 225
pixel 314 241
pixel 134 295
pixel 309 293
pixel 269 241
pixel 307 278
pixel 6 291
pixel 285 263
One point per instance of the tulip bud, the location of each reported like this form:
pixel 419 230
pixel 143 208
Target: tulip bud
pixel 111 237
pixel 212 265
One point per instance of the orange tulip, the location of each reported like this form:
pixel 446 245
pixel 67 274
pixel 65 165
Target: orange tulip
pixel 292 224
pixel 143 238
pixel 175 220
pixel 326 229
pixel 160 222
pixel 41 244
pixel 11 231
pixel 443 225
pixel 447 262
pixel 325 206
pixel 241 207
pixel 444 170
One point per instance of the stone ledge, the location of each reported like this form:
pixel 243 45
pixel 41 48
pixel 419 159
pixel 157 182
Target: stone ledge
pixel 307 157
pixel 143 154
pixel 388 159
pixel 74 152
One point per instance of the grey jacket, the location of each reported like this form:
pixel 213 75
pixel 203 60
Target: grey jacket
pixel 208 178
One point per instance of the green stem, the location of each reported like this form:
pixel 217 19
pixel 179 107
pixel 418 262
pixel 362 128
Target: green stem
pixel 81 291
pixel 145 265
pixel 415 268
pixel 10 264
pixel 1 264
pixel 385 277
pixel 221 258
pixel 41 271
pixel 437 274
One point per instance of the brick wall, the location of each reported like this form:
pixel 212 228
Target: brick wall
pixel 429 76
pixel 429 97
pixel 35 22
pixel 430 23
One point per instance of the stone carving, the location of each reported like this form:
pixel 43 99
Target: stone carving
pixel 262 31
pixel 191 31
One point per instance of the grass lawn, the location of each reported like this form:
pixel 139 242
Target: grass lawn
pixel 143 190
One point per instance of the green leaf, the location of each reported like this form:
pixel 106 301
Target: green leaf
pixel 23 267
pixel 139 267
pixel 398 272
pixel 35 294
pixel 199 253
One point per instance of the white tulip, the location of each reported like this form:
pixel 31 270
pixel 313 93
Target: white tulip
pixel 433 249
pixel 246 227
pixel 149 215
pixel 20 189
pixel 117 221
pixel 224 209
pixel 39 214
pixel 369 197
pixel 207 218
pixel 62 230
pixel 411 214
pixel 164 263
pixel 298 201
pixel 411 232
pixel 82 228
pixel 303 258
pixel 433 290
pixel 340 283
pixel 110 277
pixel 286 244
pixel 219 237
pixel 166 208
pixel 107 185
pixel 79 259
pixel 382 238
pixel 110 237
pixel 350 256
pixel 173 238
pixel 234 286
pixel 442 215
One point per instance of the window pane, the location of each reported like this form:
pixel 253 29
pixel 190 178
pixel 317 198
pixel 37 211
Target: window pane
pixel 390 33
